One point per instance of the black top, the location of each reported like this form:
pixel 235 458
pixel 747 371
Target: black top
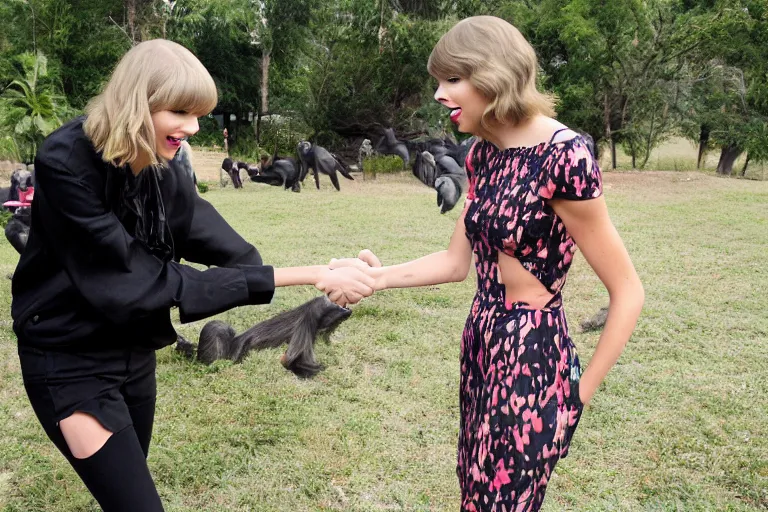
pixel 97 271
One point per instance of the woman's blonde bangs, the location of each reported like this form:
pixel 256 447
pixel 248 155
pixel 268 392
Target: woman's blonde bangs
pixel 153 76
pixel 184 85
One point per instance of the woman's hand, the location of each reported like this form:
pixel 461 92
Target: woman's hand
pixel 365 259
pixel 346 285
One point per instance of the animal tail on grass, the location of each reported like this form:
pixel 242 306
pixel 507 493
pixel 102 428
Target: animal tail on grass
pixel 299 327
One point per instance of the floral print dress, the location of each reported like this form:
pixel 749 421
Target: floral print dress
pixel 519 395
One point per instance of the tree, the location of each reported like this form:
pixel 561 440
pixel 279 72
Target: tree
pixel 31 108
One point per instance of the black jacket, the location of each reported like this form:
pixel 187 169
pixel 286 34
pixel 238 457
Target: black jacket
pixel 86 280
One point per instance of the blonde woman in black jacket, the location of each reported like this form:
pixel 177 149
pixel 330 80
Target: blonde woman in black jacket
pixel 93 290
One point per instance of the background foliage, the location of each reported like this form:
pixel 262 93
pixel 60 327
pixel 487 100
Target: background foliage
pixel 631 73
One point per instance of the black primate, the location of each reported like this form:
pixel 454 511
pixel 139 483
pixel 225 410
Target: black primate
pixel 17 229
pixel 437 147
pixel 21 179
pixel 277 171
pixel 389 145
pixel 299 327
pixel 232 168
pixel 463 150
pixel 444 175
pixel 425 168
pixel 320 160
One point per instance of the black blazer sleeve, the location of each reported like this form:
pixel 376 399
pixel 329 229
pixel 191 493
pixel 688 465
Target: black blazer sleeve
pixel 212 241
pixel 115 273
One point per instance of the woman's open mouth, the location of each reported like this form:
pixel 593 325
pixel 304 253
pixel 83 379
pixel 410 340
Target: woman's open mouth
pixel 455 113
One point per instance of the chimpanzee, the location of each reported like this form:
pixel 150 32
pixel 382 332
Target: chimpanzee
pixel 320 160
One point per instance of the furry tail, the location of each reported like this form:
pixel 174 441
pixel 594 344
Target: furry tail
pixel 299 327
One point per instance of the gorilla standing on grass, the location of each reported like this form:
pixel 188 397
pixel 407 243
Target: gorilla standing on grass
pixel 320 160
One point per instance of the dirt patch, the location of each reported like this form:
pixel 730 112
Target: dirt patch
pixel 207 163
pixel 663 184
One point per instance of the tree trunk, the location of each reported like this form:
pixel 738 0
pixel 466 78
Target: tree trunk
pixel 746 163
pixel 382 28
pixel 648 141
pixel 703 142
pixel 130 7
pixel 728 156
pixel 607 121
pixel 265 60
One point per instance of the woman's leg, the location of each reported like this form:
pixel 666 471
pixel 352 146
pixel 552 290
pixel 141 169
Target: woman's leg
pixel 115 472
pixel 78 401
pixel 140 393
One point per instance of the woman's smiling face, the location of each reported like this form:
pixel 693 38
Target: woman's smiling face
pixel 466 102
pixel 171 126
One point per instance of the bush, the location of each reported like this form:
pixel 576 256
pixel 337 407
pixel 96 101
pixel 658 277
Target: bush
pixel 202 187
pixel 5 216
pixel 381 164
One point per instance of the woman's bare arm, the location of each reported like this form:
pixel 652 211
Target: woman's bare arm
pixel 597 239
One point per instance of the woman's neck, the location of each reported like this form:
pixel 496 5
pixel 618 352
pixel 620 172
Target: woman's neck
pixel 139 164
pixel 529 132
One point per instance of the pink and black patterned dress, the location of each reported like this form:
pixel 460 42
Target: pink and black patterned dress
pixel 519 369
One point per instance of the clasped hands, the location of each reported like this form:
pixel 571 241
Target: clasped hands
pixel 348 280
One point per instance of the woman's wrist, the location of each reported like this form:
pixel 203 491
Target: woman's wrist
pixel 378 274
pixel 292 276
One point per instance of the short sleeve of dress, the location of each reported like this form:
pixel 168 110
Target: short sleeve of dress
pixel 571 172
pixel 470 164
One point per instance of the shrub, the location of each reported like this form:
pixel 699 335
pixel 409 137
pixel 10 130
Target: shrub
pixel 381 164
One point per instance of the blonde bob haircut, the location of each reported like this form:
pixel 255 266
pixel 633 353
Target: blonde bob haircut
pixel 495 57
pixel 153 76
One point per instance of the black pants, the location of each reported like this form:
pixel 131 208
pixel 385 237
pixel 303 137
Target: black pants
pixel 118 388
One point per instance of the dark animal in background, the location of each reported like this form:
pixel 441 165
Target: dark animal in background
pixel 464 147
pixel 278 172
pixel 450 183
pixel 299 327
pixel 21 180
pixel 425 168
pixel 389 145
pixel 437 147
pixel 444 175
pixel 320 160
pixel 596 322
pixel 17 229
pixel 232 168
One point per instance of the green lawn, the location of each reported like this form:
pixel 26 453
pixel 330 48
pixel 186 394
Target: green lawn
pixel 680 424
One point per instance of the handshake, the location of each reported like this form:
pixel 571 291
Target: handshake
pixel 348 280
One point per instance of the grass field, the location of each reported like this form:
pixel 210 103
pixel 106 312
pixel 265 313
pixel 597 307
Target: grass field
pixel 680 424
